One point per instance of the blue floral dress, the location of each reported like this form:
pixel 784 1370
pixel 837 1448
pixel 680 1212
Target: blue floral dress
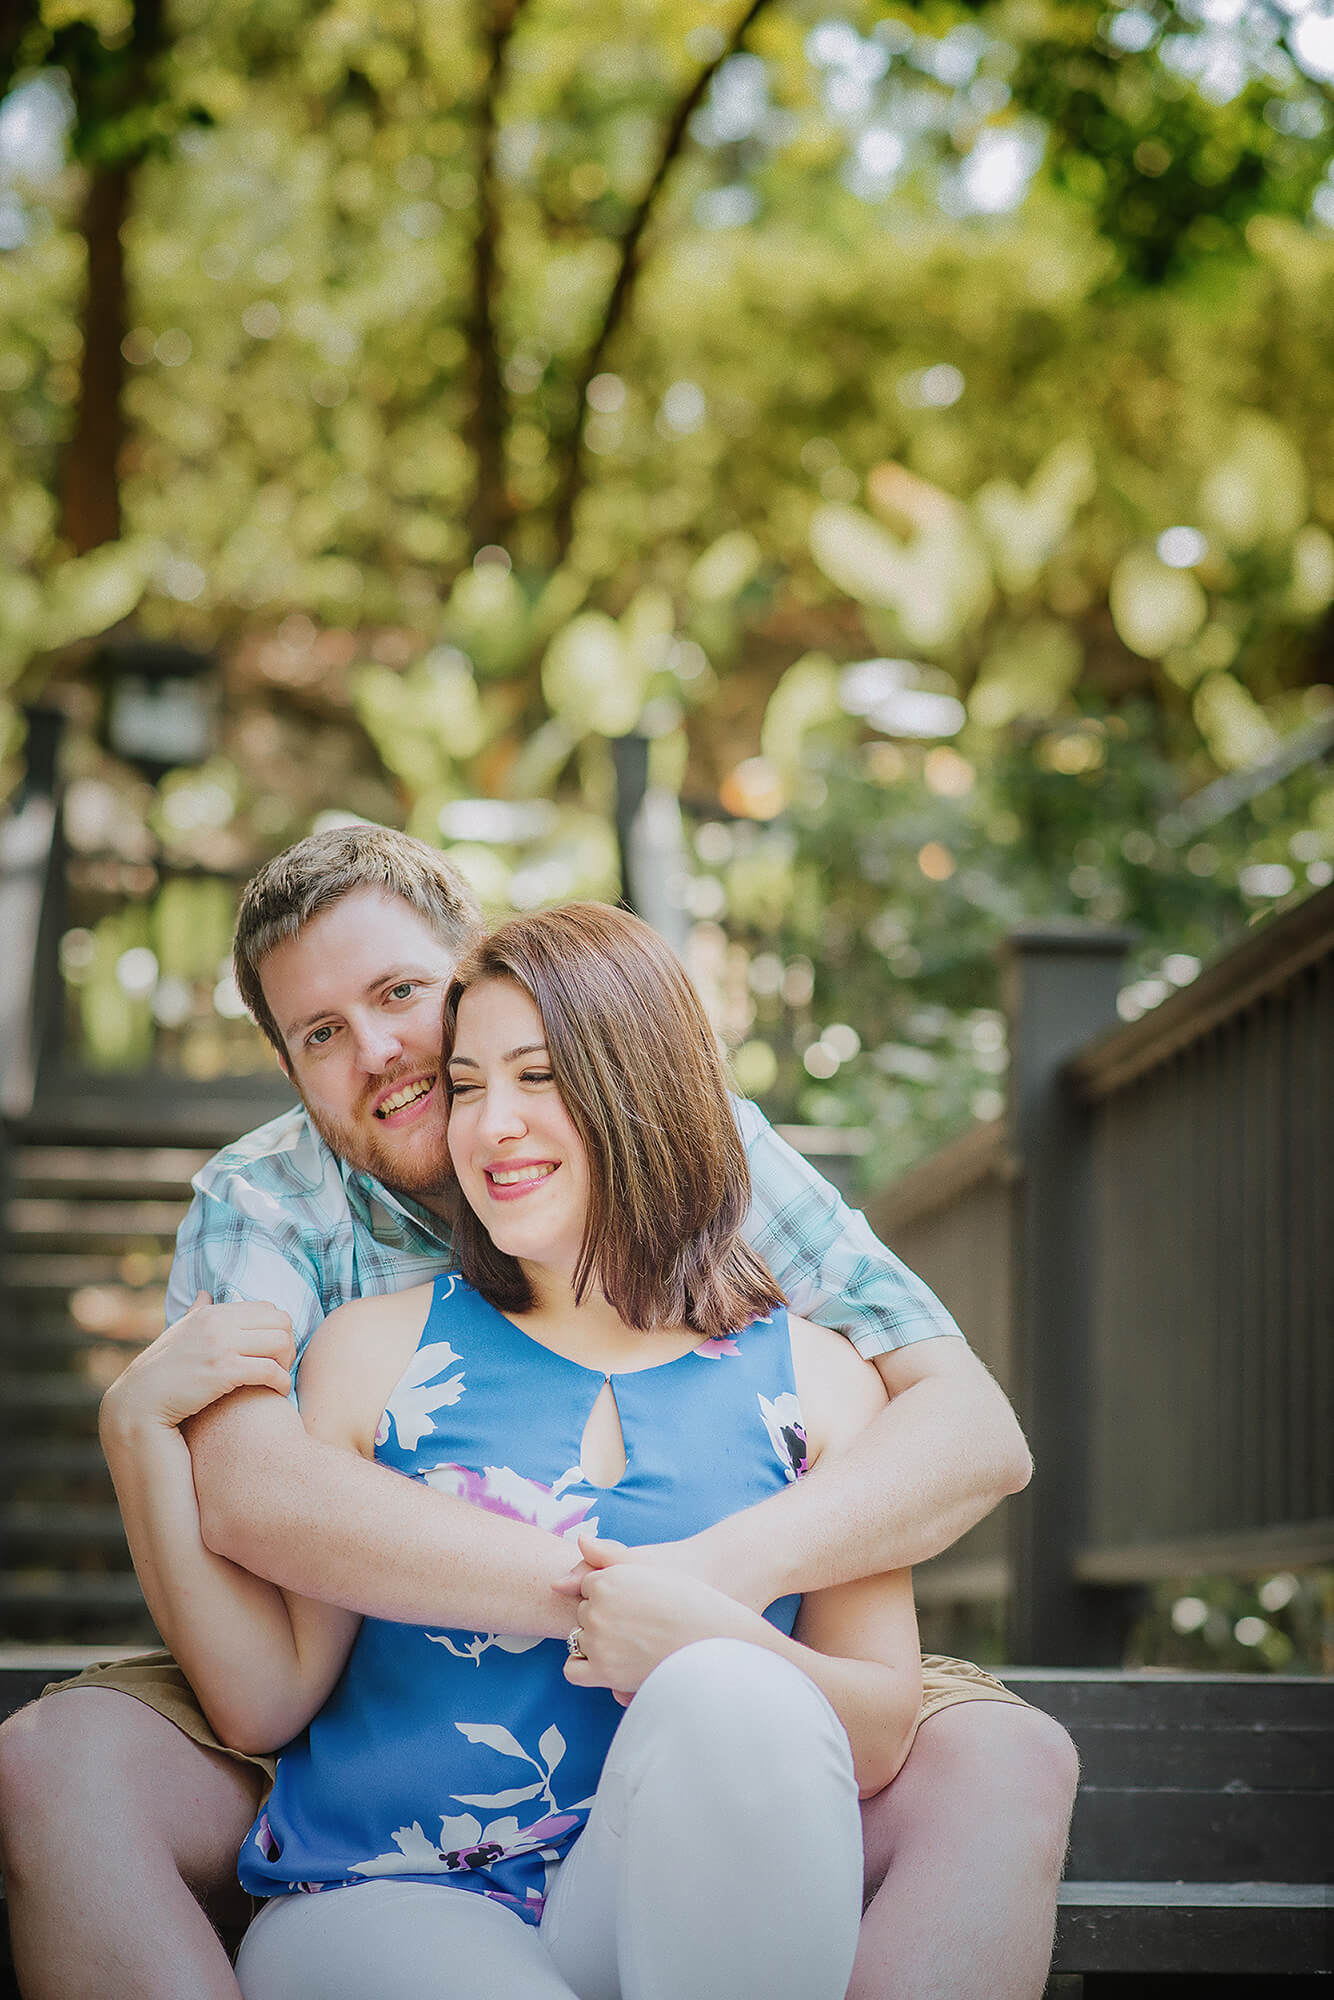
pixel 467 1758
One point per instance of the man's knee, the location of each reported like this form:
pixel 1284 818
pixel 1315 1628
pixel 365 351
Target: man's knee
pixel 60 1755
pixel 1001 1743
pixel 977 1765
pixel 96 1767
pixel 1027 1755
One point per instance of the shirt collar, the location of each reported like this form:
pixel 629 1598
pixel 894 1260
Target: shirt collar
pixel 392 1219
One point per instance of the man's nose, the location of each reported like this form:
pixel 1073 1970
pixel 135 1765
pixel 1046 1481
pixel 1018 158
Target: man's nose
pixel 377 1045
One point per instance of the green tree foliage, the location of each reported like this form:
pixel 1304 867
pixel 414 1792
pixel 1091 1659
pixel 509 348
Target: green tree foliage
pixel 491 390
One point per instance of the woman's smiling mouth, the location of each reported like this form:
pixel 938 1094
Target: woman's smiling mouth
pixel 505 1183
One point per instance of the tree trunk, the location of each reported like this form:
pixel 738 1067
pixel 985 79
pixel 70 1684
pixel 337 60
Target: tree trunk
pixel 489 512
pixel 628 268
pixel 89 488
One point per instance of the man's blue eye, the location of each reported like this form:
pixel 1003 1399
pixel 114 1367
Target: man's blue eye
pixel 319 1037
pixel 401 991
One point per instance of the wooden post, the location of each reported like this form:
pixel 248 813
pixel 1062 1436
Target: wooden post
pixel 649 840
pixel 31 899
pixel 1061 985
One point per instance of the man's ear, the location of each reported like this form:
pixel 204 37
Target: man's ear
pixel 283 1064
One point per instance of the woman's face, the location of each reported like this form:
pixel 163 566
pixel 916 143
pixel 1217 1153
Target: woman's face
pixel 518 1157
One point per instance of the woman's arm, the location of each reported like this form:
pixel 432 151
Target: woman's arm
pixel 347 1374
pixel 857 1641
pixel 231 1633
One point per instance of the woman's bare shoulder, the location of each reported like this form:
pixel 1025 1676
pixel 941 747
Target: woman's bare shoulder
pixel 839 1393
pixel 356 1356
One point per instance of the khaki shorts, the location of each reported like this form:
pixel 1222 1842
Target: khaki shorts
pixel 156 1679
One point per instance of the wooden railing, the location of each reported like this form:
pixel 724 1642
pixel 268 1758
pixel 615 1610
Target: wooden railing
pixel 1212 1134
pixel 1143 1252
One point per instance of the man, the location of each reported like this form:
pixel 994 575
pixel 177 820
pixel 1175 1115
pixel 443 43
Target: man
pixel 122 1810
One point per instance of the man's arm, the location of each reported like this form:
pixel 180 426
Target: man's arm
pixel 922 1473
pixel 946 1451
pixel 330 1525
pixel 319 1521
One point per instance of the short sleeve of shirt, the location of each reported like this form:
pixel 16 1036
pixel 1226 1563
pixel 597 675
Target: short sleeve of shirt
pixel 826 1257
pixel 233 1256
pixel 277 1217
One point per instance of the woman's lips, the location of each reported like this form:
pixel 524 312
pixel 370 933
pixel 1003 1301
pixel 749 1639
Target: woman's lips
pixel 532 1174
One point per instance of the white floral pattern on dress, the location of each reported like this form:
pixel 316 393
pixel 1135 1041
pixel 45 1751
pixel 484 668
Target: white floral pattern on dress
pixel 500 1490
pixel 466 1843
pixel 418 1394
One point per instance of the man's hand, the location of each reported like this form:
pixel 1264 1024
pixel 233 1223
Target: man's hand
pixel 204 1356
pixel 692 1559
pixel 631 1615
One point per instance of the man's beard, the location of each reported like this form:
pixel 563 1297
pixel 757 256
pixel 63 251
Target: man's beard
pixel 423 1174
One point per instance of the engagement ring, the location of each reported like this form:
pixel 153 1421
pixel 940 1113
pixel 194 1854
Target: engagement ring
pixel 574 1645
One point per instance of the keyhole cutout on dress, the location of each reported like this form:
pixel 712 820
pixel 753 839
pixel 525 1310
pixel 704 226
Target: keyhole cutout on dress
pixel 602 1450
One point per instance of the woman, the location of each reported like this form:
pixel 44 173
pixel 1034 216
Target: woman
pixel 613 1362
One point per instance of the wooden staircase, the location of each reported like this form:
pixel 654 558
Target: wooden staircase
pixel 89 1232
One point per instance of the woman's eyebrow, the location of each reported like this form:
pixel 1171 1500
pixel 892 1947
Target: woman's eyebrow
pixel 510 1055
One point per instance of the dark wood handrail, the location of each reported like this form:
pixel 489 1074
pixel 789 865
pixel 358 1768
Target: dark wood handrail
pixel 1260 964
pixel 977 1155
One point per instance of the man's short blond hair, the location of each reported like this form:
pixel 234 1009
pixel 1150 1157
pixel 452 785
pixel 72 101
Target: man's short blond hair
pixel 318 872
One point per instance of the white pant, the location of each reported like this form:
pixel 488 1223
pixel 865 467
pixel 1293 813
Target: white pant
pixel 721 1861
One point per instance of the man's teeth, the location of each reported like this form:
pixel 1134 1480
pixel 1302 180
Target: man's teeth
pixel 408 1095
pixel 520 1174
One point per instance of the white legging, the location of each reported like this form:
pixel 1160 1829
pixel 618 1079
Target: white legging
pixel 721 1860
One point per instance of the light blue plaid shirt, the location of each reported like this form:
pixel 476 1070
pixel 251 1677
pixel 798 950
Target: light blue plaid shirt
pixel 279 1217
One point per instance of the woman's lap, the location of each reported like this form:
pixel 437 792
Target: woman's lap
pixel 722 1856
pixel 394 1941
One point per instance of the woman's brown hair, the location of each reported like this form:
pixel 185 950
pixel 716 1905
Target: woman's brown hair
pixel 638 1070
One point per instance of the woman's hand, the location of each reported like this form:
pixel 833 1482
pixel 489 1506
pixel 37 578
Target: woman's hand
pixel 204 1356
pixel 631 1616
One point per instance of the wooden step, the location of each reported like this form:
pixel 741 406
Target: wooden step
pixel 63 1605
pixel 55 1461
pixel 75 1591
pixel 32 1526
pixel 38 1275
pixel 43 1222
pixel 25 1396
pixel 173 1114
pixel 1229 1929
pixel 140 1172
pixel 45 1341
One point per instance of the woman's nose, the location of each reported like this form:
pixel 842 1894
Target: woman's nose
pixel 502 1114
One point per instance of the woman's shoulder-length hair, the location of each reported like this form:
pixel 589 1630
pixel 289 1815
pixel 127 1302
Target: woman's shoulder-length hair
pixel 638 1070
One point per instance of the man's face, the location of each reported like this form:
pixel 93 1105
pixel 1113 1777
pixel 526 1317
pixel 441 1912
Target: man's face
pixel 357 996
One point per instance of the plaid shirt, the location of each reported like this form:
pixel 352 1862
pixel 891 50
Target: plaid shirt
pixel 279 1217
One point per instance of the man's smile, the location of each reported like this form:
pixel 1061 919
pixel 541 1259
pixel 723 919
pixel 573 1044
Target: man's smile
pixel 405 1095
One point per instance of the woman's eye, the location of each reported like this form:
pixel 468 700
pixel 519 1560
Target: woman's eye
pixel 461 1089
pixel 535 1076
